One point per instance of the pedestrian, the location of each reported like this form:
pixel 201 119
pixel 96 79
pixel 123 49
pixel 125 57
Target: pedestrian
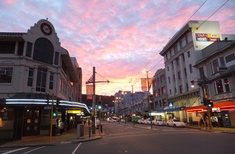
pixel 61 127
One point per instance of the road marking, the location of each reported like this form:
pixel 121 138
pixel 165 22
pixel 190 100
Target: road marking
pixel 74 151
pixel 34 149
pixel 11 151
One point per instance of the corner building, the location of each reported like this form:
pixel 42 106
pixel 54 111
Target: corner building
pixel 37 77
pixel 180 54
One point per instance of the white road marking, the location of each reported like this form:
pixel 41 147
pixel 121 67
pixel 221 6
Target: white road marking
pixel 11 151
pixel 34 150
pixel 76 148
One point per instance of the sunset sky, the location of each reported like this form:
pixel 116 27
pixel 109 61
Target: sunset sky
pixel 120 38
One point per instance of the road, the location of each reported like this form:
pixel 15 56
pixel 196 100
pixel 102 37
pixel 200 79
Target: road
pixel 124 138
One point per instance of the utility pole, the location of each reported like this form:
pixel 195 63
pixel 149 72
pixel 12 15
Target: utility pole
pixel 133 107
pixel 150 112
pixel 93 103
pixel 94 110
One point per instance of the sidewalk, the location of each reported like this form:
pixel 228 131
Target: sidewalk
pixel 213 129
pixel 71 136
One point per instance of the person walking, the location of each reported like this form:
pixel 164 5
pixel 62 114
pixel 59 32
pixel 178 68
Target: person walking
pixel 61 127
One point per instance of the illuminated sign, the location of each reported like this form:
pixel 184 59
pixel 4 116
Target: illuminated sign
pixel 206 37
pixel 75 111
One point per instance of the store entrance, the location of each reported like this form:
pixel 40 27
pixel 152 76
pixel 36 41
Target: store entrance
pixel 31 122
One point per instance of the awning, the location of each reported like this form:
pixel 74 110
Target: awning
pixel 226 105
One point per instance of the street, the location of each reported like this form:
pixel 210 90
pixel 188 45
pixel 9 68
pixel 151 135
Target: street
pixel 124 138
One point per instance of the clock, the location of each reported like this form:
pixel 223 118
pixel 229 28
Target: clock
pixel 46 29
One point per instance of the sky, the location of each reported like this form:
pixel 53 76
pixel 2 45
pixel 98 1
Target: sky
pixel 122 39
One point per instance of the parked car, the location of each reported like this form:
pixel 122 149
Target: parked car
pixel 175 123
pixel 147 121
pixel 159 122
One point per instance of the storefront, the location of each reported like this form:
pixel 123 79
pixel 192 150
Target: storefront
pixel 223 111
pixel 27 117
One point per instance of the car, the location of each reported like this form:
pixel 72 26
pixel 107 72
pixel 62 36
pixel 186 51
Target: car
pixel 159 122
pixel 147 121
pixel 123 120
pixel 175 123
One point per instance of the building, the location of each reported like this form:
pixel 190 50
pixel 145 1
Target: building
pixel 37 77
pixel 180 54
pixel 159 94
pixel 216 68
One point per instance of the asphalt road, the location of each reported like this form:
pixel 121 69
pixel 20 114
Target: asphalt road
pixel 124 138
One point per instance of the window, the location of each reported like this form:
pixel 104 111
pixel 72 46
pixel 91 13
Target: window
pixel 51 81
pixel 180 89
pixel 181 46
pixel 41 79
pixel 7 47
pixel 167 68
pixel 169 80
pixel 56 58
pixel 30 77
pixel 187 88
pixel 183 57
pixel 179 76
pixel 188 53
pixel 163 90
pixel 29 49
pixel 170 92
pixel 175 49
pixel 230 58
pixel 185 72
pixel 6 74
pixel 186 39
pixel 43 51
pixel 215 65
pixel 190 68
pixel 222 86
pixel 201 73
pixel 156 93
pixel 222 62
pixel 20 49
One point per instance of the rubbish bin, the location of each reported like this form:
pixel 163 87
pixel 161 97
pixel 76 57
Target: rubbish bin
pixel 80 130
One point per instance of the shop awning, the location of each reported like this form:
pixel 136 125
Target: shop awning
pixel 226 105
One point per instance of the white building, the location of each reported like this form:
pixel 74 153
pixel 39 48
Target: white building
pixel 34 68
pixel 180 54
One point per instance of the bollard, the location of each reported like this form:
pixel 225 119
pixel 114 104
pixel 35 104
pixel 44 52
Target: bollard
pixel 89 131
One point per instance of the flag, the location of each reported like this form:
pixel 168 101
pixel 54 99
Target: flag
pixel 90 80
pixel 146 84
pixel 89 91
pixel 143 84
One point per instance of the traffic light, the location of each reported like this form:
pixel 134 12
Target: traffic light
pixel 54 114
pixel 210 103
pixel 99 107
